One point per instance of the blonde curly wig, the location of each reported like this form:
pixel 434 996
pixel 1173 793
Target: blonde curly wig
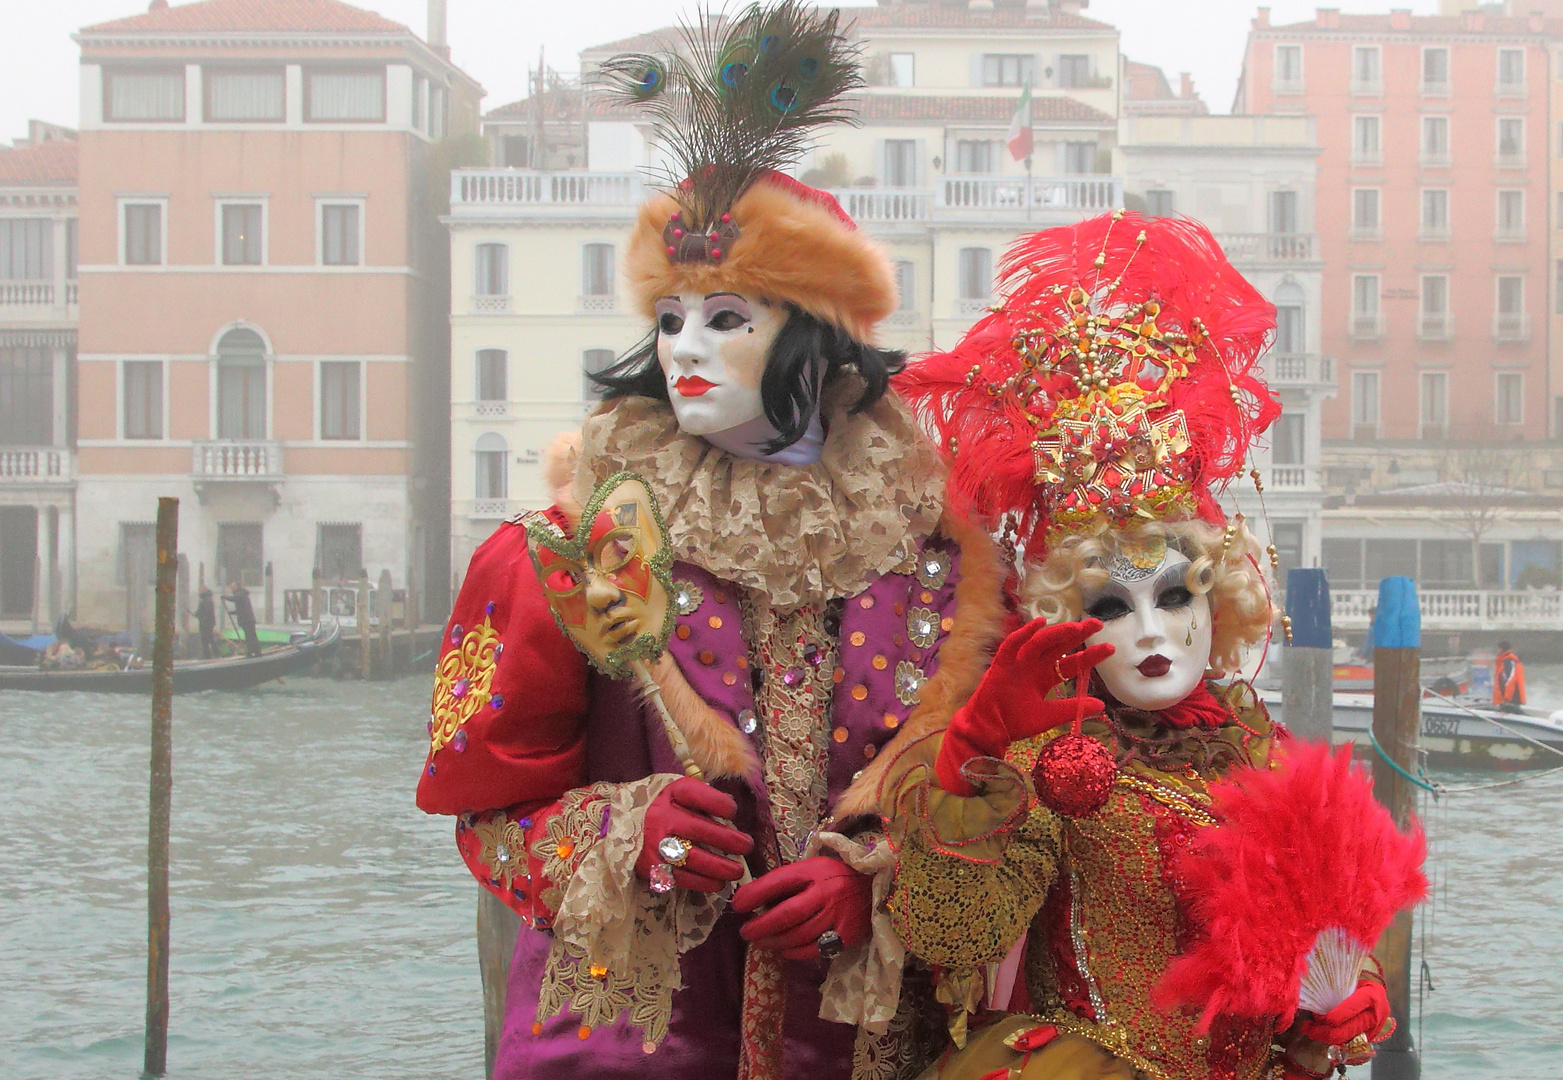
pixel 1239 601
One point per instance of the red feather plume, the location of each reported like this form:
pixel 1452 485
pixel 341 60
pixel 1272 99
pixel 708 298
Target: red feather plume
pixel 1300 849
pixel 986 404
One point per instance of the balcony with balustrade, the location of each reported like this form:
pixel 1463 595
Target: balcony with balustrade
pixel 36 466
pixel 1298 370
pixel 1252 250
pixel 222 462
pixel 540 196
pixel 1492 610
pixel 37 301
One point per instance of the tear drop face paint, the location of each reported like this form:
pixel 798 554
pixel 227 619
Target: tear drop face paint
pixel 1159 627
pixel 713 349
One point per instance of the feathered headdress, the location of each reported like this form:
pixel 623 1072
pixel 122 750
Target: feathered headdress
pixel 1114 378
pixel 735 103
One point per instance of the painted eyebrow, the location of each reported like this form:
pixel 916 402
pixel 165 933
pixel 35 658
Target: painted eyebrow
pixel 1180 573
pixel 714 295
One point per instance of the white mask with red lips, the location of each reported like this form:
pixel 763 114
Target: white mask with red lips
pixel 1160 630
pixel 713 350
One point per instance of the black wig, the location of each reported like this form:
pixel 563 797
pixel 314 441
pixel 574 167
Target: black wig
pixel 806 353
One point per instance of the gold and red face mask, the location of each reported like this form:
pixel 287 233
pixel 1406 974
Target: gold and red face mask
pixel 608 585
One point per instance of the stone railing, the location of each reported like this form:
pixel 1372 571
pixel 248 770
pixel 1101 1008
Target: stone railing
pixel 27 293
pixel 1092 194
pixel 227 459
pixel 1267 247
pixel 525 187
pixel 34 465
pixel 1293 478
pixel 1459 609
pixel 1298 369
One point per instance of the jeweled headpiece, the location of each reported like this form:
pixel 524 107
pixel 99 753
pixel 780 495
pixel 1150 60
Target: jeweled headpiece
pixel 734 104
pixel 1113 379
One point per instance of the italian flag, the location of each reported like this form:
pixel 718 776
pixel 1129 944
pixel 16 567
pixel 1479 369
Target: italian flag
pixel 1020 144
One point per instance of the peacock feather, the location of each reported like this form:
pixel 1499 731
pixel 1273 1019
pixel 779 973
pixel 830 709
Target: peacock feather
pixel 737 97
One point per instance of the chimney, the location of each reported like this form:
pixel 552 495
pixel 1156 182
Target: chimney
pixel 1538 21
pixel 1471 20
pixel 1326 18
pixel 1185 85
pixel 437 40
pixel 1400 18
pixel 1262 19
pixel 158 5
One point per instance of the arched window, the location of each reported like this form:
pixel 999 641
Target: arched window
pixel 1291 336
pixel 492 453
pixel 241 385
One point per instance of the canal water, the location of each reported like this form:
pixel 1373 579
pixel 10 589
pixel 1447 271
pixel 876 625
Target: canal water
pixel 323 926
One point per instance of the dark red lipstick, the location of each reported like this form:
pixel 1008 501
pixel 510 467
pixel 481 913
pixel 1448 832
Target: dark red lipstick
pixel 1155 666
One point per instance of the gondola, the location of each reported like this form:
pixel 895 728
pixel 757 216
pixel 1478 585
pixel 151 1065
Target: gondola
pixel 228 673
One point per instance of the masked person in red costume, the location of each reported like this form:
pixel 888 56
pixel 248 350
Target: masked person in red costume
pixel 1094 415
pixel 826 610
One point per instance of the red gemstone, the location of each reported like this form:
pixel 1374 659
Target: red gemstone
pixel 716 253
pixel 678 232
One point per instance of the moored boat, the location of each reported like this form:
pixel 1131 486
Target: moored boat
pixel 227 673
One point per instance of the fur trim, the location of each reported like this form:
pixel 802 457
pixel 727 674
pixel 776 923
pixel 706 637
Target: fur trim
pixel 981 621
pixel 714 743
pixel 789 248
pixel 559 462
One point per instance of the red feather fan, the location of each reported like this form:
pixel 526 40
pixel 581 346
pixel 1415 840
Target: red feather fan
pixel 986 408
pixel 1302 850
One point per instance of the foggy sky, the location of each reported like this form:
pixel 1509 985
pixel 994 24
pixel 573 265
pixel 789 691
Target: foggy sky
pixel 495 40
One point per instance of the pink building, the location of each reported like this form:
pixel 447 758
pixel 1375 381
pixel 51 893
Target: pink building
pixel 1432 211
pixel 264 290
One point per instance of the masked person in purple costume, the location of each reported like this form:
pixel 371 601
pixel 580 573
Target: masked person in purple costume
pixel 827 609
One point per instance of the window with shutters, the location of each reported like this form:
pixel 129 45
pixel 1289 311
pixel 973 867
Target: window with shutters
pixel 1511 71
pixel 1364 404
pixel 592 362
pixel 1288 70
pixel 26 249
pixel 492 456
pixel 1435 324
pixel 341 231
pixel 144 95
pixel 349 96
pixel 1283 212
pixel 1366 75
pixel 26 395
pixel 1435 140
pixel 1005 69
pixel 1435 70
pixel 975 156
pixel 900 162
pixel 975 272
pixel 1435 214
pixel 906 284
pixel 491 372
pixel 141 393
pixel 141 227
pixel 1365 214
pixel 1511 215
pixel 1365 146
pixel 244 97
pixel 1287 439
pixel 492 272
pixel 243 226
pixel 597 270
pixel 1511 141
pixel 340 399
pixel 1509 398
pixel 1290 338
pixel 1434 400
pixel 1365 319
pixel 1074 71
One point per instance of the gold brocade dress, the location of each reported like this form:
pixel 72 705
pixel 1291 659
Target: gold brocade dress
pixel 1096 897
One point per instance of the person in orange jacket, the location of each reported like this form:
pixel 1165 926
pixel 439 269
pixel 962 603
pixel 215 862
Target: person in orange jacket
pixel 1508 679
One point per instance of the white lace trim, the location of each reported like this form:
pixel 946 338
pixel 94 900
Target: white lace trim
pixel 864 983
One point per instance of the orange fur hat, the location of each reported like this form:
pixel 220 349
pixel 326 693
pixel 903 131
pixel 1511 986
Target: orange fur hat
pixel 794 243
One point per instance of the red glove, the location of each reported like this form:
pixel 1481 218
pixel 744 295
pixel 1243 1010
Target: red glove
pixel 688 808
pixel 1363 1013
pixel 815 895
pixel 1008 705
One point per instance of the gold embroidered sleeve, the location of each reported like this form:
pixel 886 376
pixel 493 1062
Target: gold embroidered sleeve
pixel 972 871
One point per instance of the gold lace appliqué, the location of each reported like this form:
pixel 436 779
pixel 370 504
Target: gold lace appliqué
pixel 463 683
pixel 503 851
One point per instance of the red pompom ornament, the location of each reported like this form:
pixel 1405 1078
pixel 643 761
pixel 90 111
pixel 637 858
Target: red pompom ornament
pixel 1074 774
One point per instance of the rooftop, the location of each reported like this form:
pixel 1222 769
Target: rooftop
pixel 52 162
pixel 1469 22
pixel 206 16
pixel 913 108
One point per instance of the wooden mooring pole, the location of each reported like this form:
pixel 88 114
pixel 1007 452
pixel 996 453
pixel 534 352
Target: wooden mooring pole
pixel 1397 727
pixel 161 793
pixel 497 930
pixel 1308 661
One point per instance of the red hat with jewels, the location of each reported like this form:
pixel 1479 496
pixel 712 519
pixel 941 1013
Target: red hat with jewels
pixel 1114 380
pixel 736 103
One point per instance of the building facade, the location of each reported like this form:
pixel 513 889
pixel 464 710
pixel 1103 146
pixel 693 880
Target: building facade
pixel 264 297
pixel 1250 179
pixel 38 313
pixel 1433 213
pixel 535 296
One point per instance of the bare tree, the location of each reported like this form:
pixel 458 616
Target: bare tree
pixel 1483 481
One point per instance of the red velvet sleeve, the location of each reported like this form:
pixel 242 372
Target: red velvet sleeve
pixel 505 725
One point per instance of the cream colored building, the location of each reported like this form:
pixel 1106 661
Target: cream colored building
pixel 1251 180
pixel 536 300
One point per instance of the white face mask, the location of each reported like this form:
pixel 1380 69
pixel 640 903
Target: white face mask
pixel 713 350
pixel 1160 629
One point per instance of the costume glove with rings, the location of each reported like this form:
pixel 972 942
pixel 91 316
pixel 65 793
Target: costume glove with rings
pixel 686 811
